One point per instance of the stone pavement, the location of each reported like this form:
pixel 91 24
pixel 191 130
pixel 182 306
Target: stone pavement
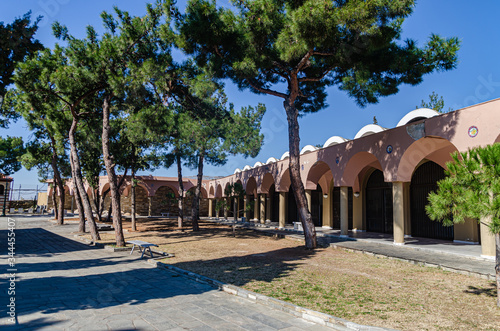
pixel 62 284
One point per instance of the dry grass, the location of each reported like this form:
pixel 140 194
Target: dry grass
pixel 357 287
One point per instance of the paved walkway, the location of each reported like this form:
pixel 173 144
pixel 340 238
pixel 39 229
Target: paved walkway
pixel 455 257
pixel 62 284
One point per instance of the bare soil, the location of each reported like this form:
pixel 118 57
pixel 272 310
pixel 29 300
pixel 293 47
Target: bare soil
pixel 360 288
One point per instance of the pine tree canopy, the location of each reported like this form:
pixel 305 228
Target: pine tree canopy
pixel 295 49
pixel 470 190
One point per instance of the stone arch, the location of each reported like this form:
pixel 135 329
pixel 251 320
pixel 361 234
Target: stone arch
pixel 218 193
pixel 356 168
pixel 266 183
pixel 251 186
pixel 319 174
pixel 211 192
pixel 284 181
pixel 434 149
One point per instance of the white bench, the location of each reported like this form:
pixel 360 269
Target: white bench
pixel 143 245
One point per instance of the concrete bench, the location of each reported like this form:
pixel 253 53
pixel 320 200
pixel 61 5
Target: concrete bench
pixel 143 246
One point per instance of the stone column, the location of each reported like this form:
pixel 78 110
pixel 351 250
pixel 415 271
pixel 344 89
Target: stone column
pixel 282 206
pixel 328 210
pixel 268 208
pixel 398 207
pixel 262 208
pixel 308 196
pixel 150 206
pixel 357 211
pixel 256 208
pixel 210 210
pixel 245 213
pixel 73 203
pixel 487 239
pixel 344 211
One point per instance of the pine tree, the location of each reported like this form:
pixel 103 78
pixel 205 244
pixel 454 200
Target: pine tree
pixel 471 190
pixel 294 50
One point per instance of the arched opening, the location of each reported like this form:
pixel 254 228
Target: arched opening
pixel 2 190
pixel 317 206
pixel 379 212
pixel 164 202
pixel 424 181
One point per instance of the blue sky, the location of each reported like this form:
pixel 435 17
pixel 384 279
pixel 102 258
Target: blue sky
pixel 476 79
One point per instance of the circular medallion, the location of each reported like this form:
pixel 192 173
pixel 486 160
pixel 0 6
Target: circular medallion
pixel 389 149
pixel 337 160
pixel 473 131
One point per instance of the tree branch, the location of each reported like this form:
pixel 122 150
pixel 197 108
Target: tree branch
pixel 304 60
pixel 267 91
pixel 318 78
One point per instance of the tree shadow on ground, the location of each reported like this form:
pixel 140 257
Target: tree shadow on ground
pixel 241 270
pixel 490 291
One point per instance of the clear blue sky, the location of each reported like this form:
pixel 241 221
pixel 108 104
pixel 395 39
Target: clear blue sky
pixel 476 79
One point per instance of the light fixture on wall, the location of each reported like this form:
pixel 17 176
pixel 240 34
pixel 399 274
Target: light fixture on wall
pixel 356 194
pixel 325 196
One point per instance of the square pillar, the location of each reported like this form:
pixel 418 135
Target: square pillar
pixel 262 208
pixel 282 205
pixel 357 211
pixel 344 211
pixel 487 239
pixel 466 232
pixel 268 208
pixel 210 210
pixel 398 207
pixel 309 203
pixel 328 210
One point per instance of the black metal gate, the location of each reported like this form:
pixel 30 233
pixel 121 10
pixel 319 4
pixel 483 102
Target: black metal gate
pixel 379 214
pixel 424 181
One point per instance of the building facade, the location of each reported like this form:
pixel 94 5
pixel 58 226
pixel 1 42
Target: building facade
pixel 377 182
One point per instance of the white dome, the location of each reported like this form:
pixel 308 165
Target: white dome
pixel 247 167
pixel 257 164
pixel 308 149
pixel 271 160
pixel 368 130
pixel 417 114
pixel 334 141
pixel 285 155
pixel 237 171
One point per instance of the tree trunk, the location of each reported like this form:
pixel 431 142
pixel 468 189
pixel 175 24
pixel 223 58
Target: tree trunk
pixel 235 209
pixel 81 212
pixel 101 202
pixel 132 193
pixel 58 180
pixel 497 265
pixel 195 210
pixel 110 169
pixel 296 182
pixel 180 217
pixel 77 175
pixel 54 202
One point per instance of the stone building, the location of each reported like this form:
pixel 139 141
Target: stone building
pixel 377 182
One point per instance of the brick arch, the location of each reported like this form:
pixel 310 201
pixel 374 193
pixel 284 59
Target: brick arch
pixel 284 181
pixel 251 186
pixel 211 192
pixel 434 149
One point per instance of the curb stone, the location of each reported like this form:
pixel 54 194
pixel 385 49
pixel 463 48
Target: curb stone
pixel 304 313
